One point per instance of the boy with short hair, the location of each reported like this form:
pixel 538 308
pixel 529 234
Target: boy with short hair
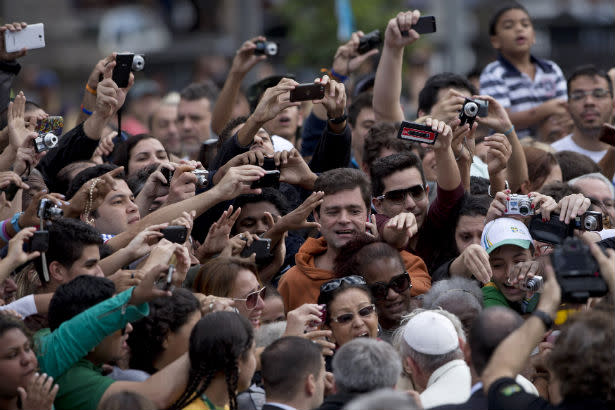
pixel 508 243
pixel 529 88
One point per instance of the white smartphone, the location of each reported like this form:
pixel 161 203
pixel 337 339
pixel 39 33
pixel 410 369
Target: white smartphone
pixel 33 36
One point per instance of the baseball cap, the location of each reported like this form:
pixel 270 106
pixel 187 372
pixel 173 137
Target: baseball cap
pixel 505 231
pixel 430 332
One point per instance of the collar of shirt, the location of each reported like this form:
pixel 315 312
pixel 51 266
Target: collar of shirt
pixel 445 368
pixel 280 405
pixel 512 70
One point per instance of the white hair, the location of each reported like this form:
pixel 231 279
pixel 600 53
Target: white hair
pixel 594 175
pixel 383 399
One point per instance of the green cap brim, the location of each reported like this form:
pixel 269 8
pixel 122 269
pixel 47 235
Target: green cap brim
pixel 522 243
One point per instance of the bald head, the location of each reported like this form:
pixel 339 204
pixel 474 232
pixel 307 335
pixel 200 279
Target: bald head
pixel 490 327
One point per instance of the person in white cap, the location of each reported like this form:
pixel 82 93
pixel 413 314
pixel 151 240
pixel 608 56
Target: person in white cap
pixel 511 254
pixel 432 353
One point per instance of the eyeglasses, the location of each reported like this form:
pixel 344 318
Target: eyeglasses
pixel 336 283
pixel 252 299
pixel 399 284
pixel 597 93
pixel 346 318
pixel 417 192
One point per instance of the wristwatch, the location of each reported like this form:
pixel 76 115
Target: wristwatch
pixel 339 119
pixel 544 316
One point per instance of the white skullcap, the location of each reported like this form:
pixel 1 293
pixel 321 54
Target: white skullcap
pixel 431 333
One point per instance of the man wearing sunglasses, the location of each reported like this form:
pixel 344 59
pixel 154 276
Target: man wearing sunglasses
pixel 590 104
pixel 400 197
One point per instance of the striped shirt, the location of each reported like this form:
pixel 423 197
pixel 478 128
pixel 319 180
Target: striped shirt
pixel 516 91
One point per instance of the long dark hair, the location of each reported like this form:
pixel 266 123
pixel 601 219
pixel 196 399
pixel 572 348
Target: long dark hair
pixel 217 342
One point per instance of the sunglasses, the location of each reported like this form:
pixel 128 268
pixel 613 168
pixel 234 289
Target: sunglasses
pixel 417 192
pixel 399 284
pixel 349 317
pixel 252 299
pixel 336 283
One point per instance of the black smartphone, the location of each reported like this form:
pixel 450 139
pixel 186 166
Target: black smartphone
pixel 417 133
pixel 424 25
pixel 261 247
pixel 38 242
pixel 121 71
pixel 607 134
pixel 10 191
pixel 175 233
pixel 270 180
pixel 269 164
pixel 307 92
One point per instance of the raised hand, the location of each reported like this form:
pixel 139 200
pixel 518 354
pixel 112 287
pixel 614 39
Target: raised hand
pixel 245 58
pixel 39 394
pixel 238 180
pixel 334 99
pixel 347 59
pixel 275 100
pixel 218 235
pixel 499 151
pixel 18 133
pixel 403 22
pixel 14 27
pixel 145 290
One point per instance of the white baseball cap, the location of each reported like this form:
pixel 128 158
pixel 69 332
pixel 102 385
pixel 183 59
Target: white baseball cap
pixel 431 333
pixel 505 231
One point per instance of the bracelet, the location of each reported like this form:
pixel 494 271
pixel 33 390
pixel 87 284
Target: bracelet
pixel 15 221
pixel 544 318
pixel 85 111
pixel 509 131
pixel 3 233
pixel 340 77
pixel 90 89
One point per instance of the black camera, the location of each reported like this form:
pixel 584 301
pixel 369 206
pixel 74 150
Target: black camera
pixel 270 180
pixel 48 210
pixel 10 191
pixel 38 242
pixel 175 233
pixel 124 64
pixel 472 109
pixel 369 41
pixel 577 271
pixel 44 142
pixel 555 231
pixel 268 48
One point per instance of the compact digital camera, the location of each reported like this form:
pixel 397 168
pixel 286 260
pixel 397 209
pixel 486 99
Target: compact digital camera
pixel 369 41
pixel 534 284
pixel 519 205
pixel 268 48
pixel 201 176
pixel 48 210
pixel 124 64
pixel 589 221
pixel 472 109
pixel 44 142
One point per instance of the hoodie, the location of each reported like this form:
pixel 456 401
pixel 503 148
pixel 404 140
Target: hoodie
pixel 301 283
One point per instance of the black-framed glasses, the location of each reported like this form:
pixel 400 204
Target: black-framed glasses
pixel 399 284
pixel 346 318
pixel 417 192
pixel 336 283
pixel 597 93
pixel 252 299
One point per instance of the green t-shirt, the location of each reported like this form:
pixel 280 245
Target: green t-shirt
pixel 493 297
pixel 81 387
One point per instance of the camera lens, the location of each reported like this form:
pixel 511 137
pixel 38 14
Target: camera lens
pixel 470 109
pixel 590 223
pixel 50 140
pixel 271 48
pixel 524 209
pixel 138 62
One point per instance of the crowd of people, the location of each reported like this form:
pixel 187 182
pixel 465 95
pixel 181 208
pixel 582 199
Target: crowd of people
pixel 231 248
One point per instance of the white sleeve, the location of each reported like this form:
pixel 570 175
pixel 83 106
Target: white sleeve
pixel 24 306
pixel 606 233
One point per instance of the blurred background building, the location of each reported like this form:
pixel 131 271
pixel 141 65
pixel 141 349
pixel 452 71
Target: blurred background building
pixel 193 40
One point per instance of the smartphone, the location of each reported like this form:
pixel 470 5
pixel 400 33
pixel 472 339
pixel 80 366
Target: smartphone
pixel 38 242
pixel 307 92
pixel 261 247
pixel 607 134
pixel 270 180
pixel 424 25
pixel 121 71
pixel 33 36
pixel 168 174
pixel 53 124
pixel 10 191
pixel 417 133
pixel 175 233
pixel 269 164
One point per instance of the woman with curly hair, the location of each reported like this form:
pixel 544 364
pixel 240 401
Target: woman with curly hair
pixel 222 362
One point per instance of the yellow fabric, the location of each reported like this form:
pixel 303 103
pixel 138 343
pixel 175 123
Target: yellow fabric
pixel 199 404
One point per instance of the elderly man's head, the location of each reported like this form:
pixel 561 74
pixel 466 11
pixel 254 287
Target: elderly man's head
pixel 600 190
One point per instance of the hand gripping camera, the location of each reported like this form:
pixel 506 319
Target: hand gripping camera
pixel 472 109
pixel 40 240
pixel 519 205
pixel 268 48
pixel 124 64
pixel 369 41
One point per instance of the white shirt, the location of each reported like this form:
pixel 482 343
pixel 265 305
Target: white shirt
pixel 449 384
pixel 567 144
pixel 281 143
pixel 280 405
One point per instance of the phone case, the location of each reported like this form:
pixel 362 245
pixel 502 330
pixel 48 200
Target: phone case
pixel 121 71
pixel 306 92
pixel 417 133
pixel 271 179
pixel 33 36
pixel 175 233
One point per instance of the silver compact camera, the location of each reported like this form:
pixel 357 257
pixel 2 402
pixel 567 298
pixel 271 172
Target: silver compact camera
pixel 519 205
pixel 48 210
pixel 201 177
pixel 45 141
pixel 268 48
